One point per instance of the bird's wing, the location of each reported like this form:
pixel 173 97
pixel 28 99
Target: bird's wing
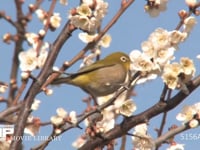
pixel 91 67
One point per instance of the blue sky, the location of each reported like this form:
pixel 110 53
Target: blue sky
pixel 128 33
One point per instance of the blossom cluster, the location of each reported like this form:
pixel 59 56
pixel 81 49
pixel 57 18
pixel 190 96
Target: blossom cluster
pixel 88 15
pixel 62 117
pixel 55 19
pixel 121 106
pixel 190 115
pixel 33 123
pixel 141 140
pixel 154 60
pixel 154 7
pixel 157 55
pixel 31 59
pixel 104 42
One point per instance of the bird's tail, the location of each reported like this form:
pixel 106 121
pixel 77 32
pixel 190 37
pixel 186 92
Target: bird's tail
pixel 61 80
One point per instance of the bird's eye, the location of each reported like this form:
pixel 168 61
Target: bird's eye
pixel 123 59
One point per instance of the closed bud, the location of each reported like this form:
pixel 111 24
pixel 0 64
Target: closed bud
pixel 42 33
pixel 197 12
pixel 25 75
pixel 182 14
pixel 31 7
pixel 73 11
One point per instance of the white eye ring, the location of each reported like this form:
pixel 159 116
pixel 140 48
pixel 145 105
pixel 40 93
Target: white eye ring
pixel 123 59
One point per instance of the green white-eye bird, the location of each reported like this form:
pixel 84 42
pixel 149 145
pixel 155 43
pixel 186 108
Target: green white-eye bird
pixel 102 77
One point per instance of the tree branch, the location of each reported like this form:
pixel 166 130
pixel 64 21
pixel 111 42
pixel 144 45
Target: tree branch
pixel 130 122
pixel 36 85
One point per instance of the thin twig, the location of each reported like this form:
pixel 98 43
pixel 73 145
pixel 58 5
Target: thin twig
pixel 164 92
pixel 181 22
pixel 123 143
pixel 160 131
pixel 10 110
pixel 171 133
pixel 20 91
pixel 7 18
pixel 18 48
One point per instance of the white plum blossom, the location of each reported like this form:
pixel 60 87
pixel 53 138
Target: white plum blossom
pixel 86 38
pixel 173 68
pixel 41 14
pixel 171 75
pixel 170 80
pixel 140 61
pixel 141 140
pixel 104 126
pixel 177 73
pixel 193 123
pixel 80 141
pixel 177 37
pixel 105 41
pixel 62 115
pixel 189 24
pixel 48 92
pixel 198 57
pixel 156 56
pixel 33 126
pixel 84 10
pixel 55 20
pixel 101 9
pixel 59 118
pixel 3 88
pixel 42 56
pixel 103 99
pixel 61 112
pixel 160 39
pixel 28 60
pixel 127 108
pixel 35 104
pixel 143 62
pixel 109 114
pixel 88 2
pixel 187 115
pixel 88 15
pixel 188 66
pixel 56 120
pixel 155 7
pixel 176 146
pixel 73 117
pixel 191 3
pixel 31 60
pixel 164 56
pixel 32 39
